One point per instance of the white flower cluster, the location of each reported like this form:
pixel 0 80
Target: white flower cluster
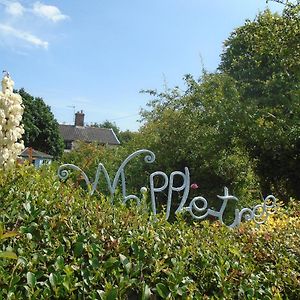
pixel 11 131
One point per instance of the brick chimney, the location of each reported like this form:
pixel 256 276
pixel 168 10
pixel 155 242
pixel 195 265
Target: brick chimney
pixel 79 118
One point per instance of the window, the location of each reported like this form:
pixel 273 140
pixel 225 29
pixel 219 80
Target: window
pixel 68 145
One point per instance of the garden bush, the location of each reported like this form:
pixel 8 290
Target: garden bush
pixel 73 246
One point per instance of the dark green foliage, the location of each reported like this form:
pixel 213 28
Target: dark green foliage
pixel 240 127
pixel 264 57
pixel 72 246
pixel 200 129
pixel 89 156
pixel 41 128
pixel 237 128
pixel 126 136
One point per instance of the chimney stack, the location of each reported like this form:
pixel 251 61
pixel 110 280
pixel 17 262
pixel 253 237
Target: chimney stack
pixel 79 118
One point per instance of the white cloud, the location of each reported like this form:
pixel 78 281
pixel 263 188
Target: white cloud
pixel 4 2
pixel 22 35
pixel 14 9
pixel 49 12
pixel 22 12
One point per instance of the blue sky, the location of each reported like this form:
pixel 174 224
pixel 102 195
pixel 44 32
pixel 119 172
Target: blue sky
pixel 97 55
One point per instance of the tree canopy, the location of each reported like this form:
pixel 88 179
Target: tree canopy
pixel 198 128
pixel 41 128
pixel 239 126
pixel 264 57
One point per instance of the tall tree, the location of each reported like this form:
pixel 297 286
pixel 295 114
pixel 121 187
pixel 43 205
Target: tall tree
pixel 41 128
pixel 264 57
pixel 199 129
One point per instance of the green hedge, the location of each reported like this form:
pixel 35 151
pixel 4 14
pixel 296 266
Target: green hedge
pixel 72 246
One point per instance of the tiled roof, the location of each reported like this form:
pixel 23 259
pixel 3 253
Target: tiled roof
pixel 88 134
pixel 34 154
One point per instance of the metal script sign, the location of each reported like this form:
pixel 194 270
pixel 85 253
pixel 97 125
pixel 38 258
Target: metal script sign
pixel 197 207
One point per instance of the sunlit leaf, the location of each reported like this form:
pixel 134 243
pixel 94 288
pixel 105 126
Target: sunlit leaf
pixel 8 254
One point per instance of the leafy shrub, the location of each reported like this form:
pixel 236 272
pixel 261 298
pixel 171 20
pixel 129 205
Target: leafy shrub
pixel 89 156
pixel 204 124
pixel 73 246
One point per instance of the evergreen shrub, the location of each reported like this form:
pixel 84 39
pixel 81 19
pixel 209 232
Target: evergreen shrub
pixel 73 246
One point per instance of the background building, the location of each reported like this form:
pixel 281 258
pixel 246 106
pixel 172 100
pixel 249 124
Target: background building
pixel 79 132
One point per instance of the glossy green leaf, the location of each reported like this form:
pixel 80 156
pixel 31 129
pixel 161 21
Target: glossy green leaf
pixel 146 292
pixel 112 294
pixel 53 280
pixel 125 262
pixel 8 254
pixel 162 290
pixel 8 234
pixel 31 279
pixel 78 249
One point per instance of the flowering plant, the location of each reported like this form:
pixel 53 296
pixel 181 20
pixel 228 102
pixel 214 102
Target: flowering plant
pixel 194 186
pixel 11 131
